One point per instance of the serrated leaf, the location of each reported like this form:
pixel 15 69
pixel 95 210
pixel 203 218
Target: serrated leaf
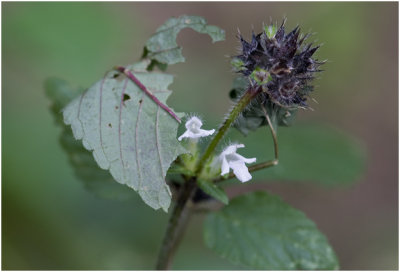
pixel 128 132
pixel 213 190
pixel 260 231
pixel 162 46
pixel 96 180
pixel 307 152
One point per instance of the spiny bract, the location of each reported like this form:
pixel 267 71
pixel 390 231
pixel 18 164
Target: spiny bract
pixel 278 63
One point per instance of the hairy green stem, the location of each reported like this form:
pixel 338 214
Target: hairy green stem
pixel 237 109
pixel 179 216
pixel 176 225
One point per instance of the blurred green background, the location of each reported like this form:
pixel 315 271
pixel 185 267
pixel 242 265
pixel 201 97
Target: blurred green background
pixel 49 221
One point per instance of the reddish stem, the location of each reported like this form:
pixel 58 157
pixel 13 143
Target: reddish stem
pixel 144 89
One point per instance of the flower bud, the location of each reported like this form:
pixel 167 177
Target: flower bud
pixel 280 64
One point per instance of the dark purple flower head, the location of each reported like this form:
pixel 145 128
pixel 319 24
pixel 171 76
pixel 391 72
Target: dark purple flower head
pixel 280 63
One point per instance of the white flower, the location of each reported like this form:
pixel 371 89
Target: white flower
pixel 231 159
pixel 193 129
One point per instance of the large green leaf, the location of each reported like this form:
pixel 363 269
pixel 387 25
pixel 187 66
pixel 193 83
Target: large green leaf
pixel 307 152
pixel 95 179
pixel 162 46
pixel 128 132
pixel 260 231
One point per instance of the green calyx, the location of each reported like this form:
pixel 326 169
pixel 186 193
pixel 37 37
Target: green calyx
pixel 260 76
pixel 270 31
pixel 238 64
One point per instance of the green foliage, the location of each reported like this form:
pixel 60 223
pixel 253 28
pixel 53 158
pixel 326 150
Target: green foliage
pixel 260 231
pixel 95 179
pixel 162 47
pixel 129 134
pixel 213 190
pixel 317 153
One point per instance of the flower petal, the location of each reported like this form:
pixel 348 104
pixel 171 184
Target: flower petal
pixel 206 132
pixel 231 149
pixel 186 134
pixel 193 129
pixel 193 122
pixel 224 166
pixel 241 172
pixel 231 159
pixel 246 160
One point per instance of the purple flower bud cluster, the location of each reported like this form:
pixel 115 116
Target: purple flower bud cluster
pixel 289 65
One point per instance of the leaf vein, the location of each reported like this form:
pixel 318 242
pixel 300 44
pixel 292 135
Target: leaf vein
pixel 158 142
pixel 100 112
pixel 136 143
pixel 158 151
pixel 119 123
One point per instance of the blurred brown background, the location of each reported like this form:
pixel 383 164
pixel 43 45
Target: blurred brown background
pixel 51 222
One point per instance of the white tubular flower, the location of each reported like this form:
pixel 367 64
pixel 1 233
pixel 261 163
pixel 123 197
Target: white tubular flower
pixel 231 159
pixel 193 129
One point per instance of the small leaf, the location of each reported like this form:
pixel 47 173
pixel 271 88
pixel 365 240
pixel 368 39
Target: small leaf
pixel 246 124
pixel 307 152
pixel 162 48
pixel 239 85
pixel 96 180
pixel 213 190
pixel 260 231
pixel 128 132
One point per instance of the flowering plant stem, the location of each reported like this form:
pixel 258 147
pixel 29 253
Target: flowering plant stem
pixel 176 225
pixel 237 109
pixel 179 214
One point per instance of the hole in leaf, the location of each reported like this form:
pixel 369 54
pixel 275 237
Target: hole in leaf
pixel 126 97
pixel 116 107
pixel 140 101
pixel 109 125
pixel 118 77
